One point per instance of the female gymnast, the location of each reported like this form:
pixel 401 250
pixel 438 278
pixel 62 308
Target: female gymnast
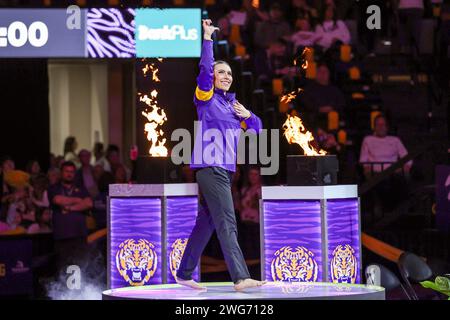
pixel 218 111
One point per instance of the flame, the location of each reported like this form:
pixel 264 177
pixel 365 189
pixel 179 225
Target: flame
pixel 291 96
pixel 295 132
pixel 155 116
pixel 154 71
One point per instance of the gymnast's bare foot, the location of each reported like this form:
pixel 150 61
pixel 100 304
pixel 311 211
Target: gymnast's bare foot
pixel 248 283
pixel 190 283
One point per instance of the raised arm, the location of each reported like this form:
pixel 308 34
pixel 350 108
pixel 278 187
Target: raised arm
pixel 205 79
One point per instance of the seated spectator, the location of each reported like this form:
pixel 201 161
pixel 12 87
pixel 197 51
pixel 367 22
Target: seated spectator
pixel 188 175
pixel 98 172
pixel 327 141
pixel 275 28
pixel 53 176
pixel 321 97
pixel 7 165
pixel 303 36
pixel 120 174
pixel 250 195
pixel 43 221
pixel 331 31
pixel 85 174
pixel 18 202
pixel 380 147
pixel 112 162
pixel 98 152
pixel 69 205
pixel 271 62
pixel 101 200
pixel 38 191
pixel 33 168
pixel 299 9
pixel 253 17
pixel 70 147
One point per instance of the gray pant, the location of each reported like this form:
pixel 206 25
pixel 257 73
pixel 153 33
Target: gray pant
pixel 217 213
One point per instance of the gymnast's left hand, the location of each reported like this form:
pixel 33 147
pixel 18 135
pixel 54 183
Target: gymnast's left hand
pixel 241 111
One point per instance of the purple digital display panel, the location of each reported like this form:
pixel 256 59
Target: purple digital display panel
pixel 181 217
pixel 292 240
pixel 135 242
pixel 344 254
pixel 110 33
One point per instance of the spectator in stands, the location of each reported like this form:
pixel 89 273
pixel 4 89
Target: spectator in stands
pixel 381 147
pixel 410 13
pixel 69 204
pixel 98 172
pixel 38 191
pixel 250 195
pixel 271 62
pixel 33 168
pixel 53 176
pixel 188 174
pixel 236 187
pixel 43 221
pixel 303 36
pixel 300 9
pixel 120 174
pixel 320 97
pixel 19 204
pixel 331 31
pixel 98 152
pixel 52 161
pixel 327 141
pixel 70 147
pixel 253 17
pixel 100 201
pixel 85 174
pixel 7 165
pixel 273 29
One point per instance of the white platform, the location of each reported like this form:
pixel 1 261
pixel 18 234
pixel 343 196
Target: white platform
pixel 310 192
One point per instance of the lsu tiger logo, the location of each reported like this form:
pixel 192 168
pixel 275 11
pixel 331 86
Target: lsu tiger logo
pixel 294 266
pixel 176 254
pixel 136 261
pixel 343 265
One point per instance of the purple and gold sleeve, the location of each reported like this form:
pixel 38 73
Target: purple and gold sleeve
pixel 254 122
pixel 205 79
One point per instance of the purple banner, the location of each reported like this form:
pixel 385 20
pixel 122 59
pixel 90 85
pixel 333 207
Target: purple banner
pixel 181 217
pixel 135 240
pixel 343 241
pixel 292 241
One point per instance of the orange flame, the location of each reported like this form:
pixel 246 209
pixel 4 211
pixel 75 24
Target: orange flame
pixel 291 96
pixel 155 117
pixel 154 71
pixel 295 132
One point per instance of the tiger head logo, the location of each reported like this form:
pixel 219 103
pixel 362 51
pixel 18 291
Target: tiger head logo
pixel 176 254
pixel 136 261
pixel 294 266
pixel 343 265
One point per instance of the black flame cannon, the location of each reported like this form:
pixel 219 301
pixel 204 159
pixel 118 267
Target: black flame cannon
pixel 312 170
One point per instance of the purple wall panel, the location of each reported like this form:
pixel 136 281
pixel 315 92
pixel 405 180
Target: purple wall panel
pixel 292 240
pixel 343 241
pixel 181 216
pixel 135 242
